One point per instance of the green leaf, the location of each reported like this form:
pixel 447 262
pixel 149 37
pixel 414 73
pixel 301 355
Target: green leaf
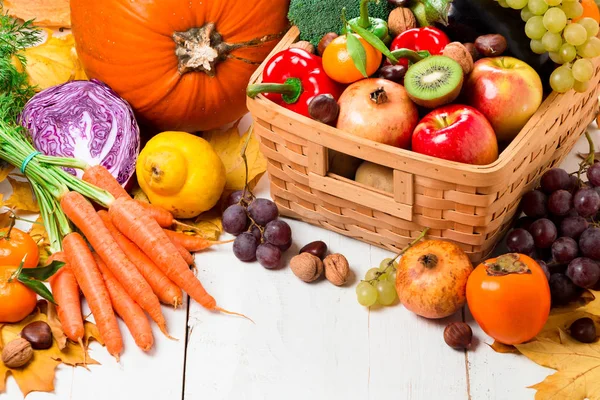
pixel 41 273
pixel 373 40
pixel 38 287
pixel 420 13
pixel 357 52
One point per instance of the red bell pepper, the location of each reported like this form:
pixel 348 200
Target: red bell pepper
pixel 426 38
pixel 292 78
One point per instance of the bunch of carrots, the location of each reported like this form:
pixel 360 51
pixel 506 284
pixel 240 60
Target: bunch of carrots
pixel 123 258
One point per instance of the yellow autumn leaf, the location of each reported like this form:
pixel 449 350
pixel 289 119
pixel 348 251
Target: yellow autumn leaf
pixel 53 62
pixel 208 225
pixel 38 375
pixel 5 169
pixel 40 236
pixel 50 13
pixel 22 198
pixel 228 144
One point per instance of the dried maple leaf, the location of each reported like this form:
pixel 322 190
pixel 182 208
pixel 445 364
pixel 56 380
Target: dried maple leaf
pixel 50 13
pixel 208 224
pixel 40 236
pixel 228 144
pixel 52 319
pixel 38 375
pixel 5 169
pixel 22 197
pixel 503 348
pixel 53 62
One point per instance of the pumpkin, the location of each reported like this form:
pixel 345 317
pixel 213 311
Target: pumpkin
pixel 181 64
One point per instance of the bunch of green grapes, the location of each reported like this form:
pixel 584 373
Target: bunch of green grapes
pixel 548 23
pixel 379 285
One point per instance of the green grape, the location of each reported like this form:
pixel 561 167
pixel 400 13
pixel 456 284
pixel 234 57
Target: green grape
pixel 555 20
pixel 582 70
pixel 552 41
pixel 385 263
pixel 569 1
pixel 553 3
pixel 575 34
pixel 386 293
pixel 534 28
pixel 517 4
pixel 383 277
pixel 526 14
pixel 567 52
pixel 555 57
pixel 503 3
pixel 371 274
pixel 366 294
pixel 537 47
pixel 590 49
pixel 537 7
pixel 590 25
pixel 562 79
pixel 573 9
pixel 581 87
pixel 392 277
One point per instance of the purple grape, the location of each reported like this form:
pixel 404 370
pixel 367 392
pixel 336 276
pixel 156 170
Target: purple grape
pixel 564 250
pixel 574 184
pixel 583 272
pixel 573 227
pixel 235 220
pixel 268 256
pixel 520 241
pixel 256 233
pixel 555 179
pixel 587 202
pixel 263 211
pixel 286 246
pixel 562 289
pixel 544 233
pixel 244 247
pixel 278 233
pixel 560 202
pixel 235 197
pixel 544 268
pixel 534 204
pixel 589 243
pixel 524 222
pixel 593 174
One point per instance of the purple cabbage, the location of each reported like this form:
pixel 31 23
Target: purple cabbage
pixel 86 120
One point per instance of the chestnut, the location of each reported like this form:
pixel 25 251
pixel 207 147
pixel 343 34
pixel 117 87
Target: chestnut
pixel 324 108
pixel 317 249
pixel 39 334
pixel 394 73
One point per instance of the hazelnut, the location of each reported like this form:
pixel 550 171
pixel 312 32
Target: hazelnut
pixel 325 41
pixel 336 269
pixel 304 45
pixel 39 334
pixel 17 353
pixel 459 53
pixel 458 335
pixel 491 45
pixel 307 267
pixel 474 53
pixel 401 19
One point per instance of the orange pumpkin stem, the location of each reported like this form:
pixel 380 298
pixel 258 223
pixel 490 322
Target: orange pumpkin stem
pixel 507 264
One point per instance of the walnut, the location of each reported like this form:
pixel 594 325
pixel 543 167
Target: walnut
pixel 304 45
pixel 401 19
pixel 336 269
pixel 459 53
pixel 17 353
pixel 307 267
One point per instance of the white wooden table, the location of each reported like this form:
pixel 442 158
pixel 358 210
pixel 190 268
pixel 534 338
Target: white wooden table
pixel 309 341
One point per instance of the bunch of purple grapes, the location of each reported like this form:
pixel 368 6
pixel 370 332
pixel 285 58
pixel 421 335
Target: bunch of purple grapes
pixel 560 232
pixel 261 235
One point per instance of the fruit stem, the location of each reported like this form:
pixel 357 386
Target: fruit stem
pixel 404 250
pixel 290 90
pixel 379 96
pixel 363 20
pixel 429 260
pixel 16 274
pixel 10 226
pixel 590 157
pixel 411 55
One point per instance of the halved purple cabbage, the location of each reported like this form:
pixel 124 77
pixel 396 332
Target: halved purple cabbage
pixel 86 120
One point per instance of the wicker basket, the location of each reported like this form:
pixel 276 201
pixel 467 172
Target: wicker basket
pixel 472 206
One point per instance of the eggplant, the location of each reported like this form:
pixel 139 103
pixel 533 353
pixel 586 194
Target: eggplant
pixel 468 19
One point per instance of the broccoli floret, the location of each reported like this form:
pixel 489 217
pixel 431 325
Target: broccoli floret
pixel 315 18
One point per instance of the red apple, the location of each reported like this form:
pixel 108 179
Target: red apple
pixel 379 110
pixel 507 91
pixel 457 133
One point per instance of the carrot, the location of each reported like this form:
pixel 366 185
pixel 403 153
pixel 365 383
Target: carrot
pixel 66 294
pixel 189 242
pixel 90 280
pixel 127 309
pixel 129 217
pixel 83 215
pixel 99 176
pixel 166 291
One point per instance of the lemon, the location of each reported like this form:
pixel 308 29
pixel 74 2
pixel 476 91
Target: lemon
pixel 182 173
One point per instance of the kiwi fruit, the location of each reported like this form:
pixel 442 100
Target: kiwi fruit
pixel 434 81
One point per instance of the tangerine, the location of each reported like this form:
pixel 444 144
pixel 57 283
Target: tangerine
pixel 339 65
pixel 17 301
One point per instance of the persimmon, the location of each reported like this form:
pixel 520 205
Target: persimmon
pixel 15 245
pixel 16 300
pixel 509 297
pixel 339 65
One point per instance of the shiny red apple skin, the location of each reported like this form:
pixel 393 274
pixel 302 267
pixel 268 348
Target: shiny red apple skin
pixel 507 91
pixel 457 133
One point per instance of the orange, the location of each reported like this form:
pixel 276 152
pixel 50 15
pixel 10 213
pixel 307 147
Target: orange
pixel 16 300
pixel 338 63
pixel 590 9
pixel 17 245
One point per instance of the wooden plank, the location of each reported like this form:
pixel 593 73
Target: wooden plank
pixel 404 187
